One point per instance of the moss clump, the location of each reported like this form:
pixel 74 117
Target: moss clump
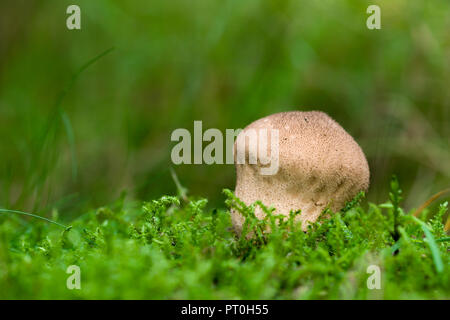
pixel 174 249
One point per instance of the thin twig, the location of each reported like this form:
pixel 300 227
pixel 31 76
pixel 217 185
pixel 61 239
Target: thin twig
pixel 429 201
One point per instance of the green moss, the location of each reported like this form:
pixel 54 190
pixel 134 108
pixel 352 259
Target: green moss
pixel 177 249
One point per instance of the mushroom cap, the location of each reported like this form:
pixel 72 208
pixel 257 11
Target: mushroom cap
pixel 320 165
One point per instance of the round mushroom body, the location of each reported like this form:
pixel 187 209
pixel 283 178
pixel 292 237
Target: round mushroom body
pixel 319 165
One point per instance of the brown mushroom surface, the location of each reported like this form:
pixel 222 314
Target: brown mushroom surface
pixel 319 165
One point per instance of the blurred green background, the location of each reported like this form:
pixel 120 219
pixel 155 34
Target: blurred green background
pixel 226 63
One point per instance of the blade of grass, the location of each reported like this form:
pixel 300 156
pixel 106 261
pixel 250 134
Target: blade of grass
pixel 49 133
pixel 63 114
pixel 71 138
pixel 429 201
pixel 74 77
pixel 32 215
pixel 182 192
pixel 437 259
pixel 59 111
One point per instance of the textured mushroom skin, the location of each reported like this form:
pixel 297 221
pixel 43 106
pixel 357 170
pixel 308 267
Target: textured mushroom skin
pixel 320 165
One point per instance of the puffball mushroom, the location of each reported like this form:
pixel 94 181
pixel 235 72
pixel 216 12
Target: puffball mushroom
pixel 319 165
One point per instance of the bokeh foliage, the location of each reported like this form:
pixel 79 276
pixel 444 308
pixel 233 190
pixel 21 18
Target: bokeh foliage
pixel 226 63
